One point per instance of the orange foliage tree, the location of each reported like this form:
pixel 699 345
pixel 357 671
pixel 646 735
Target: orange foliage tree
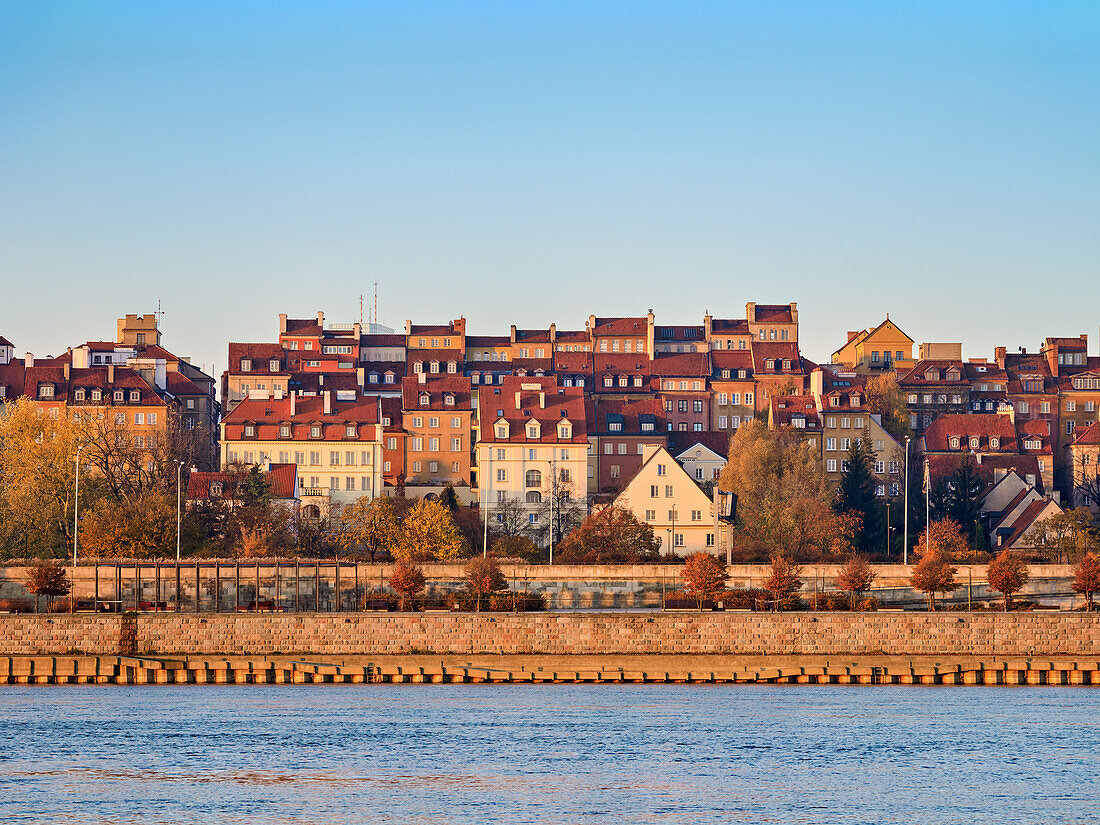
pixel 945 537
pixel 609 535
pixel 1007 574
pixel 856 576
pixel 704 576
pixel 784 582
pixel 934 574
pixel 1086 577
pixel 483 577
pixel 408 580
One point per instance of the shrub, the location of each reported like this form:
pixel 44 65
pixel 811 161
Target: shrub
pixel 16 606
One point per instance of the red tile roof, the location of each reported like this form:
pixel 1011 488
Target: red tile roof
pixel 621 327
pixel 302 326
pixel 488 341
pixel 379 339
pixel 1089 436
pixel 438 389
pixel 125 378
pixel 574 363
pixel 572 336
pixel 731 359
pixel 557 403
pixel 1025 521
pixel 267 416
pixel 716 440
pixel 260 355
pixel 680 364
pixel 777 351
pixel 629 414
pixel 917 376
pixel 729 326
pixel 983 426
pixel 784 408
pixel 280 477
pixel 774 314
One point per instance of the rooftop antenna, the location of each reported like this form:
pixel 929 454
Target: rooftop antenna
pixel 376 302
pixel 360 309
pixel 160 313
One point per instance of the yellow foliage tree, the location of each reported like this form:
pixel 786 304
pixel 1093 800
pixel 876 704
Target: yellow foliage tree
pixel 369 523
pixel 145 528
pixel 428 533
pixel 37 469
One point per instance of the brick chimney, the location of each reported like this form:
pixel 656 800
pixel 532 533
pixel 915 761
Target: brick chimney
pixel 999 354
pixel 110 373
pixel 28 359
pixel 67 370
pixel 542 400
pixel 321 319
pixel 327 395
pixel 282 323
pixel 519 400
pixel 293 404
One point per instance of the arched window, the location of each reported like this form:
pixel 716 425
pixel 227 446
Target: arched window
pixel 534 478
pixel 311 511
pixel 534 497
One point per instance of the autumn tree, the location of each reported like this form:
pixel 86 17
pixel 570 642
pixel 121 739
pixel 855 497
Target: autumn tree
pixel 142 528
pixel 428 533
pixel 944 537
pixel 47 579
pixel 560 511
pixel 886 398
pixel 37 479
pixel 483 577
pixel 612 534
pixel 448 498
pixel 784 582
pixel 407 580
pixel 856 576
pixel 371 524
pixel 1086 577
pixel 934 574
pixel 1062 536
pixel 516 547
pixel 508 517
pixel 781 492
pixel 704 576
pixel 1007 574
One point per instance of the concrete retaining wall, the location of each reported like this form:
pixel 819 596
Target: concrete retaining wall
pixel 916 634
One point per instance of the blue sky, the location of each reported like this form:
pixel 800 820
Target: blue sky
pixel 528 163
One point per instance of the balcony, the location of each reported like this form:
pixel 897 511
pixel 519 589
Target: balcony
pixel 311 491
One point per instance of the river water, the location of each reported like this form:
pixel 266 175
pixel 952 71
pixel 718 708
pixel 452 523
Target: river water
pixel 553 753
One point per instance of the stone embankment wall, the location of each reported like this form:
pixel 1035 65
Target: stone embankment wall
pixel 916 634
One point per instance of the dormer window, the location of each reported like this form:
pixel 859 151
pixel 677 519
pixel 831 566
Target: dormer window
pixel 994 443
pixel 372 378
pixel 786 364
pixel 315 431
pixel 622 380
pixel 449 399
pixel 452 367
pixel 853 399
pixel 135 395
pixel 119 395
pixel 955 443
pixel 434 367
pixel 349 431
pixel 389 378
pixel 647 426
pixel 418 367
pixel 97 395
pixel 834 401
pixel 249 430
pixel 78 395
pixel 215 489
pixel 769 364
pixel 502 431
pixel 273 365
pixel 45 391
pixel 973 442
pixel 246 365
pixel 533 430
pixel 953 375
pixel 284 431
pixel 608 381
pixel 565 431
pixel 425 399
pixel 932 375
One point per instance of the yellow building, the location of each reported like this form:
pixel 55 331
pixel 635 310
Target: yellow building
pixel 883 347
pixel 665 497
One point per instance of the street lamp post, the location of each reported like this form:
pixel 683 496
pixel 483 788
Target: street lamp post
pixel 905 540
pixel 76 528
pixel 179 522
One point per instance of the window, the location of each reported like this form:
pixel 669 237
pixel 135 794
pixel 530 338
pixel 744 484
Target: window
pixel 502 475
pixel 830 422
pixel 668 491
pixel 97 395
pixel 314 459
pixel 830 444
pixel 845 423
pixel 334 458
pixel 679 539
pixel 315 431
pixel 845 444
pixel 246 365
pixel 696 515
pixel 654 491
pixel 880 467
pixel 650 515
pixel 349 458
pixel 433 444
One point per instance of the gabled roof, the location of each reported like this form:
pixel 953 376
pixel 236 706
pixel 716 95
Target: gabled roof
pixel 1089 436
pixel 729 326
pixel 673 468
pixel 917 376
pixel 539 398
pixel 378 339
pixel 784 409
pixel 281 478
pixel 4 342
pixel 716 440
pixel 706 453
pixel 268 415
pixel 631 327
pixel 777 351
pixel 1034 513
pixel 731 359
pixel 773 314
pixel 630 414
pixel 260 355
